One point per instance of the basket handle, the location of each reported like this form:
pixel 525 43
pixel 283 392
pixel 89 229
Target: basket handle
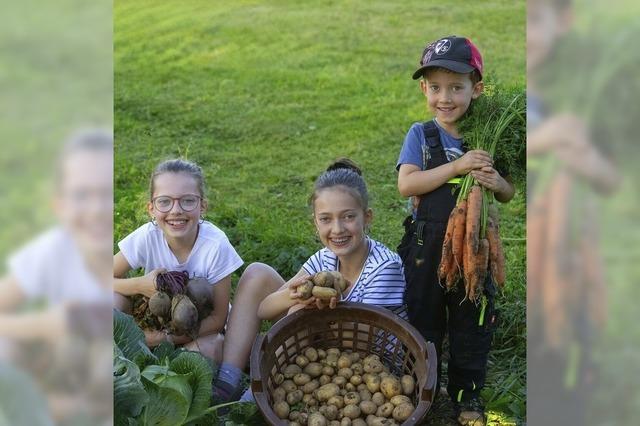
pixel 429 390
pixel 254 367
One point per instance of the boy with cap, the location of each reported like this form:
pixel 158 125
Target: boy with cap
pixel 431 159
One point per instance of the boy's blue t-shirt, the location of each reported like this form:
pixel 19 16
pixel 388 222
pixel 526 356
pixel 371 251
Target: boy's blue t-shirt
pixel 411 152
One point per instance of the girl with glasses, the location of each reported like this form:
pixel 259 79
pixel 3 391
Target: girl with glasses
pixel 178 239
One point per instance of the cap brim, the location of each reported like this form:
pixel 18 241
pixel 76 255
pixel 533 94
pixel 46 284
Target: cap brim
pixel 454 66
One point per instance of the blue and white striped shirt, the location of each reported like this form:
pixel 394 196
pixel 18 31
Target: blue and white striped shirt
pixel 381 282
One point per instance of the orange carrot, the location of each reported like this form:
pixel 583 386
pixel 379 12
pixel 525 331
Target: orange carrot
pixel 472 226
pixel 458 233
pixel 479 273
pixel 446 259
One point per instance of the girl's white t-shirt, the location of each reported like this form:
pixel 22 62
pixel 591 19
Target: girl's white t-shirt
pixel 212 256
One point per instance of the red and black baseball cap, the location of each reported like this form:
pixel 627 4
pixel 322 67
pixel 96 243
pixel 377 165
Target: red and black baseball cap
pixel 454 53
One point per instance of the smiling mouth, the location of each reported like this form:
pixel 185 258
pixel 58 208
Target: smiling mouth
pixel 176 222
pixel 340 241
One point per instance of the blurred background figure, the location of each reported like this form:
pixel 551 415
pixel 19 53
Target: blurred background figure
pixel 55 336
pixel 583 88
pixel 55 310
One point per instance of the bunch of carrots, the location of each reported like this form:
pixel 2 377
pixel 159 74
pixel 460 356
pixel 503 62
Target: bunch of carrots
pixel 472 247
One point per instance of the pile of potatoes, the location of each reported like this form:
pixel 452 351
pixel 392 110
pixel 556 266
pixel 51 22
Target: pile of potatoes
pixel 323 285
pixel 334 388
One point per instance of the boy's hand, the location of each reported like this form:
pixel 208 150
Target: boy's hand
pixel 474 159
pixel 490 179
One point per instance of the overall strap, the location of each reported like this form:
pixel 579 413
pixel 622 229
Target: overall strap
pixel 432 146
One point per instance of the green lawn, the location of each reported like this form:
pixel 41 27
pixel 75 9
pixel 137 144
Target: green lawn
pixel 264 95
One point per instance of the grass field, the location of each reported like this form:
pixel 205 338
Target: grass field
pixel 264 95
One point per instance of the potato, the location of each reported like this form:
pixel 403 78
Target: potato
pixel 400 399
pixel 313 369
pixel 339 283
pixel 372 366
pixel 343 392
pixel 324 379
pixel 278 378
pixel 323 293
pixel 357 368
pixel 349 387
pixel 302 361
pixel 373 383
pixel 281 408
pixel 323 279
pixel 402 412
pixel 380 421
pixel 351 398
pixel 311 386
pixel 279 394
pixel 368 407
pixel 378 398
pixel 334 423
pixel 301 379
pixel 358 422
pixel 309 400
pixel 335 351
pixel 390 387
pixel 317 419
pixel 289 386
pixel 352 411
pixel 365 395
pixel 361 387
pixel 408 384
pixel 294 424
pixel 372 357
pixel 322 354
pixel 385 410
pixel 291 370
pixel 337 400
pixel 294 397
pixel 304 290
pixel 331 360
pixel 344 361
pixel 294 415
pixel 311 354
pixel 339 380
pixel 345 372
pixel 355 380
pixel 303 418
pixel 327 391
pixel 329 371
pixel 355 357
pixel 346 421
pixel 329 411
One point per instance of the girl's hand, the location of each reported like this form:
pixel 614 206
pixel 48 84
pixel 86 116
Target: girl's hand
pixel 490 179
pixel 147 285
pixel 154 337
pixel 293 285
pixel 322 304
pixel 474 159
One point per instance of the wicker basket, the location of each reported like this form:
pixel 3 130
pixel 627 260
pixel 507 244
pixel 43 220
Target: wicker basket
pixel 360 327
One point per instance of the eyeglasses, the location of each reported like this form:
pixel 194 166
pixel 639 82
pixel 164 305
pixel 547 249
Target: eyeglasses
pixel 164 203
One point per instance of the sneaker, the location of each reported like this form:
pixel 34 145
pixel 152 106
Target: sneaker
pixel 223 392
pixel 470 413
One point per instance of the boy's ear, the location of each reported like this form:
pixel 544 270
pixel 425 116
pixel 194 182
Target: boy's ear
pixel 423 86
pixel 477 90
pixel 150 208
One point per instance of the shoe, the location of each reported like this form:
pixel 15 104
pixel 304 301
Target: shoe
pixel 223 392
pixel 470 413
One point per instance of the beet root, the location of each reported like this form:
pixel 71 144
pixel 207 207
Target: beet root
pixel 184 316
pixel 201 294
pixel 160 305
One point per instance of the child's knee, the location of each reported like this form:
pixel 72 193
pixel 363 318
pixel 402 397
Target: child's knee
pixel 122 303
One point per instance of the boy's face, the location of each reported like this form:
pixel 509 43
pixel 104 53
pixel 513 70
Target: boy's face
pixel 449 95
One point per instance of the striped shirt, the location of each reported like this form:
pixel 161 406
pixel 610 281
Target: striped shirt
pixel 381 281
